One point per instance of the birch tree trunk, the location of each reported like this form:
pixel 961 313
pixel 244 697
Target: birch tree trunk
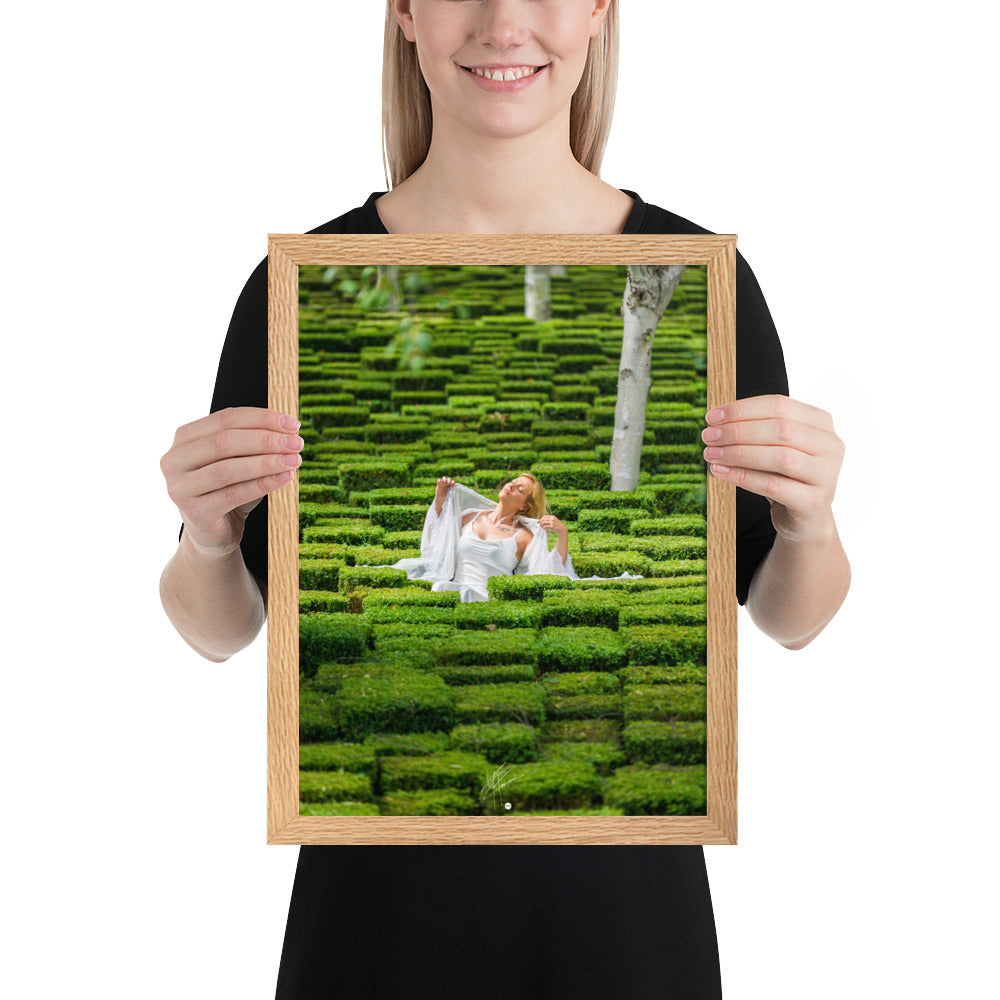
pixel 389 273
pixel 537 292
pixel 648 289
pixel 557 270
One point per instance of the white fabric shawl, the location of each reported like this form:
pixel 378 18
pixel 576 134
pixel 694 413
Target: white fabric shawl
pixel 439 542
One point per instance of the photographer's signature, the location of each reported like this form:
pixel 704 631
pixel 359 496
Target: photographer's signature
pixel 496 781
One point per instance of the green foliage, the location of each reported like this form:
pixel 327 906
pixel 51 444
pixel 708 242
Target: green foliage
pixel 660 791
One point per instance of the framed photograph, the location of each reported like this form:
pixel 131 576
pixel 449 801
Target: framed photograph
pixel 502 587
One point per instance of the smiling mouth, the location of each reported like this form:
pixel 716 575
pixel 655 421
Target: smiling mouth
pixel 504 74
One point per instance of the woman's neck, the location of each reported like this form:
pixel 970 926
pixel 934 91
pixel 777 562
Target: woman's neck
pixel 474 183
pixel 502 517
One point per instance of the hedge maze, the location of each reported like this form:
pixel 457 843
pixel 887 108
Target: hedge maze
pixel 555 697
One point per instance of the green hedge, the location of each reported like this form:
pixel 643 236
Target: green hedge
pixel 575 608
pixel 573 475
pixel 355 757
pixel 477 703
pixel 434 802
pixel 356 476
pixel 683 673
pixel 525 588
pixel 327 786
pixel 490 615
pixel 411 701
pixel 560 785
pixel 610 519
pixel 451 769
pixel 665 644
pixel 666 742
pixel 666 702
pixel 322 600
pixel 409 596
pixel 498 742
pixel 352 577
pixel 663 791
pixel 663 614
pixel 578 648
pixel 325 636
pixel 398 517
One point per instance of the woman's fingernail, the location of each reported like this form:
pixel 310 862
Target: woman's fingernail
pixel 290 423
pixel 712 453
pixel 294 460
pixel 714 416
pixel 711 434
pixel 720 470
pixel 292 441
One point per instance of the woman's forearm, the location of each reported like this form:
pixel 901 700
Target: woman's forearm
pixel 562 546
pixel 798 588
pixel 214 602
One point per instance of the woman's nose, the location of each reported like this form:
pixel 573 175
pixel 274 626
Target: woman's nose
pixel 504 23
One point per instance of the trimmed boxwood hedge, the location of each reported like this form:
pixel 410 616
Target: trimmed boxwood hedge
pixel 354 757
pixel 681 673
pixel 584 682
pixel 506 645
pixel 410 701
pixel 664 644
pixel 662 790
pixel 490 615
pixel 409 596
pixel 663 614
pixel 552 785
pixel 604 757
pixel 322 600
pixel 484 673
pixel 406 744
pixel 515 702
pixel 433 802
pixel 666 742
pixel 583 706
pixel 352 577
pixel 319 717
pixel 398 517
pixel 449 769
pixel 525 588
pixel 355 476
pixel 498 742
pixel 345 808
pixel 573 475
pixel 663 548
pixel 574 607
pixel 327 786
pixel 577 648
pixel 324 636
pixel 666 702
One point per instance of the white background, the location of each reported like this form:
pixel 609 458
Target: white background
pixel 151 148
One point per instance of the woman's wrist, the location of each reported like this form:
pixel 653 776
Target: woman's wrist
pixel 194 552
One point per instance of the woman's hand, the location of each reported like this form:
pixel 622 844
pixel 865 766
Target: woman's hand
pixel 444 484
pixel 221 466
pixel 783 450
pixel 552 523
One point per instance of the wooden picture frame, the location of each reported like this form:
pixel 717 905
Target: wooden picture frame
pixel 286 253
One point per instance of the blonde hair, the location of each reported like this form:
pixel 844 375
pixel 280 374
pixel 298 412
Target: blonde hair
pixel 537 505
pixel 406 101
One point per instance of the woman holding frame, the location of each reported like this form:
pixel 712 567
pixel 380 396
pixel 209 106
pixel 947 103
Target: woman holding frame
pixel 495 118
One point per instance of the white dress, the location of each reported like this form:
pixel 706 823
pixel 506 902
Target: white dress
pixel 477 559
pixel 448 556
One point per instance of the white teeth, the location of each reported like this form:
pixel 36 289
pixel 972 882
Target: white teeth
pixel 515 73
